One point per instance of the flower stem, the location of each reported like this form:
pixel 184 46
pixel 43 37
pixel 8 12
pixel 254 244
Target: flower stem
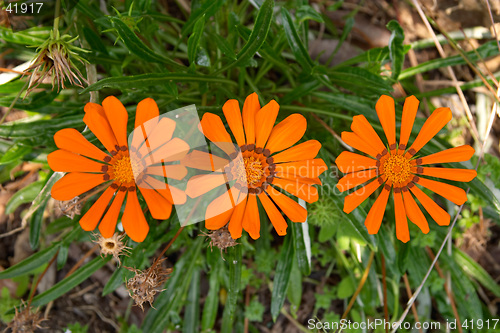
pixel 57 13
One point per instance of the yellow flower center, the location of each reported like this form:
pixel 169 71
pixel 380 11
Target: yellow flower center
pixel 254 170
pixel 397 168
pixel 122 170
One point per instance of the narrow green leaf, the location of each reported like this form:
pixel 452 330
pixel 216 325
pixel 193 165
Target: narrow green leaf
pixel 474 270
pixel 192 312
pixel 299 91
pixel 144 80
pixel 349 24
pixel 137 46
pixel 36 225
pixel 224 46
pixel 25 195
pixel 194 39
pixel 234 260
pixel 282 277
pixel 306 12
pixel 44 128
pixel 359 80
pixel 94 40
pixel 14 153
pixel 302 244
pixel 207 9
pixel 62 287
pixel 27 265
pixel 298 48
pixel 30 37
pixel 396 48
pixel 257 37
pixel 358 105
pixel 294 290
pixel 483 191
pixel 212 300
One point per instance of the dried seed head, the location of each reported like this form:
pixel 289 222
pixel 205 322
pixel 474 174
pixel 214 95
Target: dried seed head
pixel 221 238
pixel 25 320
pixel 146 284
pixel 70 208
pixel 112 245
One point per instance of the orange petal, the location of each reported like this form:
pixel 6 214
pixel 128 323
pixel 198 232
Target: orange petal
pixel 159 207
pixel 410 109
pixel 232 113
pixel 354 199
pixel 72 140
pixel 306 168
pixel 172 171
pixel 303 191
pixel 414 213
pixel 355 141
pixel 171 193
pixel 387 116
pixel 437 213
pixel 174 150
pixel 274 214
pixel 250 109
pixel 133 220
pixel 352 180
pixel 235 223
pixel 450 192
pixel 160 135
pixel 118 117
pixel 96 120
pixel 89 221
pixel 75 183
pixel 457 154
pixel 402 231
pixel 146 110
pixel 219 211
pixel 108 223
pixel 362 127
pixel 298 179
pixel 291 208
pixel 350 162
pixel 201 184
pixel 251 218
pixel 304 151
pixel 204 161
pixel 287 133
pixel 376 213
pixel 264 122
pixel 65 161
pixel 460 175
pixel 213 128
pixel 438 119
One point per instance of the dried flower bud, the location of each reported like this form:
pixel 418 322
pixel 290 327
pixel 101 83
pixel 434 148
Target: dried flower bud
pixel 221 238
pixel 112 245
pixel 70 208
pixel 25 320
pixel 146 284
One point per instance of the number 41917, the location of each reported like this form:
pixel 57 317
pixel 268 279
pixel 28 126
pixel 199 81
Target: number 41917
pixel 24 8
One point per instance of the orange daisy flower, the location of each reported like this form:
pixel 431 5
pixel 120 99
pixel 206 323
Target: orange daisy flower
pixel 268 161
pixel 123 170
pixel 398 168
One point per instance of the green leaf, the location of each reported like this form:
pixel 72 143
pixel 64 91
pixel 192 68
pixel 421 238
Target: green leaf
pixel 44 128
pixel 29 264
pixel 155 79
pixel 482 191
pixel 294 290
pixel 223 45
pixel 36 225
pixel 194 39
pixel 30 37
pixel 62 287
pixel 306 12
pixel 359 80
pixel 137 46
pixel 257 37
pixel 212 301
pixel 358 105
pixel 396 48
pixel 299 91
pixel 234 261
pixel 298 48
pixel 207 9
pixel 302 244
pixel 346 288
pixel 282 277
pixel 192 309
pixel 25 195
pixel 474 270
pixel 14 153
pixel 349 24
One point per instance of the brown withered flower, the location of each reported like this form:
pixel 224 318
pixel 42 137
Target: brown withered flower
pixel 56 59
pixel 25 320
pixel 113 245
pixel 221 238
pixel 146 284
